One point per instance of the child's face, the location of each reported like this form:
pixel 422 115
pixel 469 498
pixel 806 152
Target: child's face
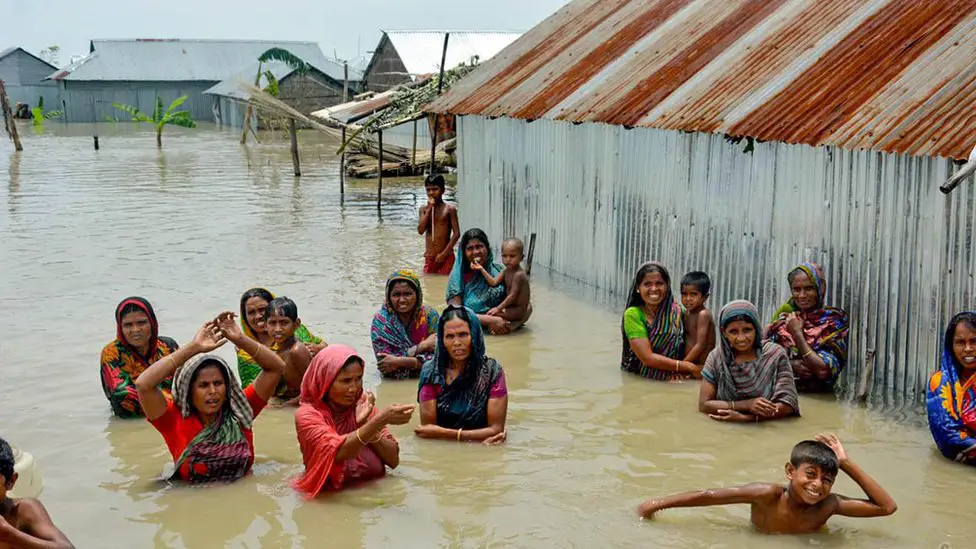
pixel 254 310
pixel 692 298
pixel 280 327
pixel 809 483
pixel 7 485
pixel 741 335
pixel 434 192
pixel 511 255
pixel 653 289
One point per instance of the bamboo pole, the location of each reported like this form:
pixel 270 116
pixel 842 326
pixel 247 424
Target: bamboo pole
pixel 8 117
pixel 294 147
pixel 250 107
pixel 528 262
pixel 440 87
pixel 413 161
pixel 345 82
pixel 379 193
pixel 342 166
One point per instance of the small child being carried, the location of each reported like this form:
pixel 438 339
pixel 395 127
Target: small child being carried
pixel 24 522
pixel 518 294
pixel 802 506
pixel 281 321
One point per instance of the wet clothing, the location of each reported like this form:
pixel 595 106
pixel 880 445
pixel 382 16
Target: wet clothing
pixel 471 285
pixel 389 334
pixel 665 332
pixel 951 407
pixel 431 265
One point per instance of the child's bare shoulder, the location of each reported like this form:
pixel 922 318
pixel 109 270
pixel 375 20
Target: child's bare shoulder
pixel 25 512
pixel 706 316
pixel 520 275
pixel 764 491
pixel 299 351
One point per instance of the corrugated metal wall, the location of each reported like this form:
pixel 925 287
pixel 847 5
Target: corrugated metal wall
pixel 92 101
pixel 603 199
pixel 23 78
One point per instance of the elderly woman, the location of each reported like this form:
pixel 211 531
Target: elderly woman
pixel 208 426
pixel 137 345
pixel 815 336
pixel 653 328
pixel 467 287
pixel 462 392
pixel 404 331
pixel 951 398
pixel 745 380
pixel 344 439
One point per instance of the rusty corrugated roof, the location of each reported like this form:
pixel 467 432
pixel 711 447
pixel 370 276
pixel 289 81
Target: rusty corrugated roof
pixel 890 75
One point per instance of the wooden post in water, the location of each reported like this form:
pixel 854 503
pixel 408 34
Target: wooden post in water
pixel 864 385
pixel 345 82
pixel 379 192
pixel 342 166
pixel 440 87
pixel 413 162
pixel 96 141
pixel 294 147
pixel 528 261
pixel 8 116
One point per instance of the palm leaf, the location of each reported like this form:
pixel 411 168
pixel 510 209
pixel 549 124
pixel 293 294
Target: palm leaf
pixel 176 103
pixel 135 113
pixel 53 114
pixel 181 119
pixel 272 87
pixel 284 56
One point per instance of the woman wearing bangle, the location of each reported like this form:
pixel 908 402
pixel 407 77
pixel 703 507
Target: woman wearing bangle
pixel 404 331
pixel 462 392
pixel 207 427
pixel 344 439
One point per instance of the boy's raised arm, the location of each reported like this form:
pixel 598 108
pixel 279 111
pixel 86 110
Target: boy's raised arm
pixel 749 493
pixel 879 502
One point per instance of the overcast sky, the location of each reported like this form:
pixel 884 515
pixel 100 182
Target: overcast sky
pixel 346 26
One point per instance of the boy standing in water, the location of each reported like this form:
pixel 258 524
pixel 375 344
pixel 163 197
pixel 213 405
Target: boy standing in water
pixel 281 320
pixel 699 324
pixel 24 522
pixel 517 297
pixel 802 506
pixel 439 222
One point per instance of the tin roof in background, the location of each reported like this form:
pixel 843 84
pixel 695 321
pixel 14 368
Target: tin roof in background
pixel 14 49
pixel 890 75
pixel 230 87
pixel 186 60
pixel 421 51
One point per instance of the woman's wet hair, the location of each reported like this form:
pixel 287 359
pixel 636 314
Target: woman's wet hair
pixel 452 312
pixel 816 453
pixel 6 461
pixel 130 308
pixel 281 306
pixel 435 180
pixel 635 300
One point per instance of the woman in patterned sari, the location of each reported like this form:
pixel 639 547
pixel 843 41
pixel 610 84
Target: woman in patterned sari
pixel 137 345
pixel 207 426
pixel 254 303
pixel 815 336
pixel 653 329
pixel 951 399
pixel 404 331
pixel 745 380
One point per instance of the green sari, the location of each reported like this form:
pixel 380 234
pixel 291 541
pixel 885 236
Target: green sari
pixel 248 370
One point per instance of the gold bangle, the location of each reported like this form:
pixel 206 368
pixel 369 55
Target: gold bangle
pixel 361 441
pixel 732 402
pixel 808 353
pixel 459 435
pixel 676 364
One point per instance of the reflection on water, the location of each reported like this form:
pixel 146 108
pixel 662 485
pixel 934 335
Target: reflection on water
pixel 190 227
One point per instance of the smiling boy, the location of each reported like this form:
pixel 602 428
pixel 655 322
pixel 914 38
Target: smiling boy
pixel 281 321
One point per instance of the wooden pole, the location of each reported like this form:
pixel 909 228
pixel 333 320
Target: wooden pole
pixel 440 87
pixel 345 82
pixel 528 261
pixel 8 116
pixel 413 162
pixel 294 147
pixel 250 107
pixel 342 166
pixel 379 193
pixel 96 142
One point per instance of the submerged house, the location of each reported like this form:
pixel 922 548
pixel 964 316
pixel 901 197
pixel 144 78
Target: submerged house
pixel 23 75
pixel 403 57
pixel 135 72
pixel 741 138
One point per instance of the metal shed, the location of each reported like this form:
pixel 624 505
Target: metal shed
pixel 23 75
pixel 740 138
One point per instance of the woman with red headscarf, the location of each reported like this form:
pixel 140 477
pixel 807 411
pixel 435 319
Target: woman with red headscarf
pixel 344 439
pixel 137 345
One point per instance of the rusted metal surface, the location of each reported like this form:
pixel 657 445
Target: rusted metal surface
pixel 898 255
pixel 894 76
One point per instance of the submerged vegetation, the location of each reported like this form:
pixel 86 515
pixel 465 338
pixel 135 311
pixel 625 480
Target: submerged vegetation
pixel 160 118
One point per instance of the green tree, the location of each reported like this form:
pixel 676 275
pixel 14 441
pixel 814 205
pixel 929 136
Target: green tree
pixel 39 116
pixel 160 118
pixel 274 54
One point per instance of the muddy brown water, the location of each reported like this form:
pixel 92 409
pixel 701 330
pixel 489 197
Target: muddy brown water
pixel 194 225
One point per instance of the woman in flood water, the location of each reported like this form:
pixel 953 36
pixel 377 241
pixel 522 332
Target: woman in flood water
pixel 653 328
pixel 137 345
pixel 744 379
pixel 254 303
pixel 404 331
pixel 208 426
pixel 468 288
pixel 462 392
pixel 343 437
pixel 951 399
pixel 814 335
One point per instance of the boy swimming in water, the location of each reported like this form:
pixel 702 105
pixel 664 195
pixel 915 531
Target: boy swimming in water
pixel 281 321
pixel 518 294
pixel 439 222
pixel 802 506
pixel 24 522
pixel 699 324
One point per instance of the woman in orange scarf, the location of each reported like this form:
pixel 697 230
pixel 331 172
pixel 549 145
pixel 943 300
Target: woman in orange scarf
pixel 344 439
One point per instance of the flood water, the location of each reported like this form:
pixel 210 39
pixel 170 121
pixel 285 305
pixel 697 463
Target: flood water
pixel 193 226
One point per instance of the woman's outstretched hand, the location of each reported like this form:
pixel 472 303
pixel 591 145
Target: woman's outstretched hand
pixel 365 408
pixel 209 338
pixel 228 328
pixel 496 439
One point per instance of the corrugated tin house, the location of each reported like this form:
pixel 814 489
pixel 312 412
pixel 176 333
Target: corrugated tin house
pixel 404 56
pixel 23 75
pixel 740 138
pixel 320 87
pixel 134 72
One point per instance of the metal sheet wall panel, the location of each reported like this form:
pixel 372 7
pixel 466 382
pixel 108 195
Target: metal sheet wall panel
pixel 603 199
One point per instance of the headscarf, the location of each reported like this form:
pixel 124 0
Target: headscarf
pixel 665 331
pixel 825 329
pixel 951 405
pixel 462 404
pixel 321 430
pixel 476 293
pixel 220 452
pixel 388 333
pixel 770 376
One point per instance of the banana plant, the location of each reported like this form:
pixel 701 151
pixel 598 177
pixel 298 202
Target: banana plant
pixel 160 118
pixel 274 54
pixel 38 116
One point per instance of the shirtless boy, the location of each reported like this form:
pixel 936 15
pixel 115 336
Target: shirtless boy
pixel 281 320
pixel 699 324
pixel 802 506
pixel 518 294
pixel 24 522
pixel 439 222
